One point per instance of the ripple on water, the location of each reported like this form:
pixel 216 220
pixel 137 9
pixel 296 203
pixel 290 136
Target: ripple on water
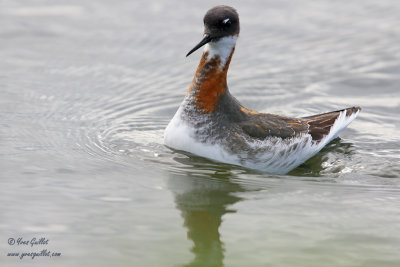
pixel 91 86
pixel 129 129
pixel 117 109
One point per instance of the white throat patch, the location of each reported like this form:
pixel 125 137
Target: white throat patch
pixel 222 48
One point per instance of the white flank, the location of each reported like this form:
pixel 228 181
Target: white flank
pixel 272 155
pixel 222 48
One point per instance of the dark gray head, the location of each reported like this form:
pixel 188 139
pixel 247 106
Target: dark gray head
pixel 219 21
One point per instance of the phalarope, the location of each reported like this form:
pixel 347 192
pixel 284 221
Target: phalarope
pixel 211 123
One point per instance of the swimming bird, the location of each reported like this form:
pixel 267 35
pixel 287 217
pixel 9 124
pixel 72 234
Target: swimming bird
pixel 211 123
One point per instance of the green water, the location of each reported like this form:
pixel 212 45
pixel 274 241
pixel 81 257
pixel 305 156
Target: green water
pixel 87 88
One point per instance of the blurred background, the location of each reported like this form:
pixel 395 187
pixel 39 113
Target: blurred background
pixel 88 87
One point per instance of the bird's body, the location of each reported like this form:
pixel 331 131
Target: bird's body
pixel 211 123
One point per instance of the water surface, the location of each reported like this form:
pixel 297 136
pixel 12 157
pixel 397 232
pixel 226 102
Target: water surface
pixel 87 88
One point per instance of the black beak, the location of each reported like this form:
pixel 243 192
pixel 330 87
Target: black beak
pixel 205 40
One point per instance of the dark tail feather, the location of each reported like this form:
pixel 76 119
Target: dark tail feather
pixel 320 125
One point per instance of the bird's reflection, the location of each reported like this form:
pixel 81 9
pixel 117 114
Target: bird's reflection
pixel 205 191
pixel 203 194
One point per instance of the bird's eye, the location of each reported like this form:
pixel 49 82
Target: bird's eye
pixel 226 22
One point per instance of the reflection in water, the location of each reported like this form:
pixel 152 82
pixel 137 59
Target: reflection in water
pixel 205 191
pixel 203 200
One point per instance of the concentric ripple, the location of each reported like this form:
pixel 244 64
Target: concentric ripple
pixel 114 102
pixel 87 88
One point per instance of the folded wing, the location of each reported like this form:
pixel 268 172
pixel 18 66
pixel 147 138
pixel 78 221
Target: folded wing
pixel 263 125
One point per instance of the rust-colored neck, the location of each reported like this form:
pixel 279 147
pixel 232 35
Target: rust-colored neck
pixel 209 82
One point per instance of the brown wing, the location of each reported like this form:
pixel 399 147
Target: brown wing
pixel 262 125
pixel 321 124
